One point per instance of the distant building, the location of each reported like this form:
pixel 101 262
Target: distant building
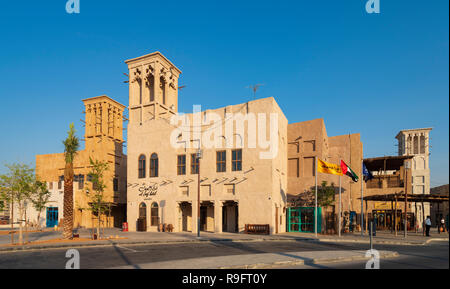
pixel 389 178
pixel 439 211
pixel 103 141
pixel 309 139
pixel 4 210
pixel 416 143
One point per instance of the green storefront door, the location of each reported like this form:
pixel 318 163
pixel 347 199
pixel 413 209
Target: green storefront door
pixel 301 219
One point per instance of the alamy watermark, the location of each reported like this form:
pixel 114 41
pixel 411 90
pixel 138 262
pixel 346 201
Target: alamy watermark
pixel 74 261
pixel 373 6
pixel 374 261
pixel 73 6
pixel 234 130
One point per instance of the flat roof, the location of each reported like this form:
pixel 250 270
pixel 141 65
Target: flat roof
pixel 152 54
pixel 412 129
pixel 105 97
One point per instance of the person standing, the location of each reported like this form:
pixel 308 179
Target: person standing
pixel 427 226
pixel 442 225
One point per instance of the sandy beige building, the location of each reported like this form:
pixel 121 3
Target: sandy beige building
pixel 237 185
pixel 103 141
pixel 308 140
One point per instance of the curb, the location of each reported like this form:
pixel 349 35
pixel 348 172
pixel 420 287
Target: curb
pixel 406 243
pixel 313 261
pixel 198 241
pixel 113 243
pixel 436 240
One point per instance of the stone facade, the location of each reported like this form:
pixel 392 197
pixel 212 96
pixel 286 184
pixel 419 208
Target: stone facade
pixel 237 186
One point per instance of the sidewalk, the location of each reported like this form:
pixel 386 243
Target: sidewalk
pixel 382 237
pixel 262 261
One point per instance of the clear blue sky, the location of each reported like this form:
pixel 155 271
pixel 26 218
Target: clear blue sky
pixel 372 74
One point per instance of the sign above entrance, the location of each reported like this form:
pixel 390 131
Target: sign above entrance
pixel 148 190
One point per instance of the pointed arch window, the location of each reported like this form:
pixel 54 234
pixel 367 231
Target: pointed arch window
pixel 141 168
pixel 154 166
pixel 162 84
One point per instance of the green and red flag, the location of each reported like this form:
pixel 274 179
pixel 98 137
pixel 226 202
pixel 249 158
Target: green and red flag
pixel 346 170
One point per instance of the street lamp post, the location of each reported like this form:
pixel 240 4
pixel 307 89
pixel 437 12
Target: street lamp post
pixel 406 197
pixel 199 156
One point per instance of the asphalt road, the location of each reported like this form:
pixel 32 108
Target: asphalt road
pixel 434 255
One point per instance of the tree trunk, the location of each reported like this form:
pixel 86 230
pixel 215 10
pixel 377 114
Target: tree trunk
pixel 38 221
pixel 20 225
pixel 68 202
pixel 98 225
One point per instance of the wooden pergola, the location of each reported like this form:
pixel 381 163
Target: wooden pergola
pixel 402 197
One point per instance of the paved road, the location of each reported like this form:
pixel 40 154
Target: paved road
pixel 430 256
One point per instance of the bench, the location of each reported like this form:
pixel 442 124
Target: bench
pixel 257 229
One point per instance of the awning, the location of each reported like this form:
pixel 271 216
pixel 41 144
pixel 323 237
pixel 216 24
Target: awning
pixel 400 197
pixel 386 163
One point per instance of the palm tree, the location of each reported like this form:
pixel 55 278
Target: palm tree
pixel 71 144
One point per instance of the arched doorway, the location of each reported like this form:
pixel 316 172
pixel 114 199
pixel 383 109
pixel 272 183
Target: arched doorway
pixel 142 220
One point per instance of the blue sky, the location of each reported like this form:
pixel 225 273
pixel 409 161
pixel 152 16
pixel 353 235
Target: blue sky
pixel 369 73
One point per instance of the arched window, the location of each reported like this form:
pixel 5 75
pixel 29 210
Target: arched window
pixel 142 210
pixel 154 166
pixel 154 215
pixel 141 170
pixel 151 85
pixel 162 83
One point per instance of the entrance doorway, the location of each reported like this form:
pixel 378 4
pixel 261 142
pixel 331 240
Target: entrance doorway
pixel 52 217
pixel 230 217
pixel 385 219
pixel 186 216
pixel 207 216
pixel 142 220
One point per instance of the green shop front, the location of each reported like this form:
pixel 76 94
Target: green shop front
pixel 302 219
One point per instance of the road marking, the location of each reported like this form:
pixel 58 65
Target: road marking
pixel 132 250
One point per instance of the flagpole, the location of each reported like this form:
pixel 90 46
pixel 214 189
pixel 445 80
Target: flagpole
pixel 339 206
pixel 315 212
pixel 362 202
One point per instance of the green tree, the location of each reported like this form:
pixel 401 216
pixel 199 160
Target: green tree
pixel 325 196
pixel 15 188
pixel 71 145
pixel 40 197
pixel 96 176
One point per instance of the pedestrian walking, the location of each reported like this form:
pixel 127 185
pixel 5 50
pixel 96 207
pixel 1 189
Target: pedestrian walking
pixel 427 226
pixel 442 225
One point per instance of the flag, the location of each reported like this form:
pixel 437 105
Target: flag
pixel 367 175
pixel 327 168
pixel 346 170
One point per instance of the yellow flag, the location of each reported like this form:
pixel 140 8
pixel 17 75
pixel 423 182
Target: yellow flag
pixel 328 168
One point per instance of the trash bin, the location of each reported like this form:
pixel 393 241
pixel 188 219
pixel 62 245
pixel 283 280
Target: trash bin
pixel 125 227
